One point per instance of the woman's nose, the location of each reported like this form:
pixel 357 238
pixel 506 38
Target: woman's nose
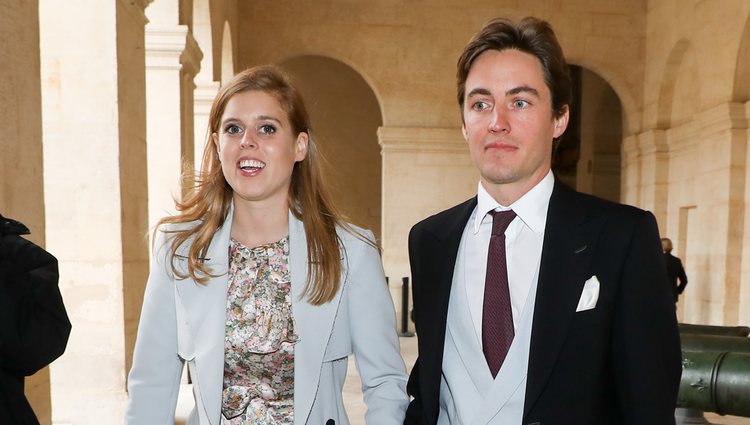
pixel 247 141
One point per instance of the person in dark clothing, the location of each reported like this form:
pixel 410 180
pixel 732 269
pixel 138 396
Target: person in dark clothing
pixel 675 271
pixel 34 326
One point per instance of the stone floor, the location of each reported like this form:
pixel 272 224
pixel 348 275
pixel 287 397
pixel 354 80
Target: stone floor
pixel 353 395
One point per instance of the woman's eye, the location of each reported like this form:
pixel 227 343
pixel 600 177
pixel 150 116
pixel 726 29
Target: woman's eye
pixel 267 129
pixel 233 129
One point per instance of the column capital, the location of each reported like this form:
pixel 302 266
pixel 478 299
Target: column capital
pixel 421 139
pixel 172 47
pixel 137 8
pixel 726 116
pixel 652 142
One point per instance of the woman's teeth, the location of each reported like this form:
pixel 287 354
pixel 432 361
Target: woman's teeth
pixel 251 165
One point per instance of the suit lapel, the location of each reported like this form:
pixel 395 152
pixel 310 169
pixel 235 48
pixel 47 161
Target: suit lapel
pixel 436 250
pixel 314 324
pixel 566 260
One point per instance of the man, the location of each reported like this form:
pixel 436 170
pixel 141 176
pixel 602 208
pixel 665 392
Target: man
pixel 34 326
pixel 675 271
pixel 562 317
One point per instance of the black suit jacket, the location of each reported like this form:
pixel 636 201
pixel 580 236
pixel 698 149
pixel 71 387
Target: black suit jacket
pixel 34 326
pixel 618 363
pixel 675 272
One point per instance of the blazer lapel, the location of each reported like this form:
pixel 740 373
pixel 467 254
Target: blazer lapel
pixel 205 307
pixel 314 324
pixel 566 259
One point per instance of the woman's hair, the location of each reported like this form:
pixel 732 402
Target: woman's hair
pixel 210 195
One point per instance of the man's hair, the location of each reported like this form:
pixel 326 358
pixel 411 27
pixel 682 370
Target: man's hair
pixel 531 35
pixel 666 244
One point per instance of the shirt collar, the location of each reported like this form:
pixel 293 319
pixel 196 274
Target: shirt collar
pixel 531 208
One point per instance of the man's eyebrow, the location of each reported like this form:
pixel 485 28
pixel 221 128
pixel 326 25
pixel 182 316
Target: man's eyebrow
pixel 478 91
pixel 522 89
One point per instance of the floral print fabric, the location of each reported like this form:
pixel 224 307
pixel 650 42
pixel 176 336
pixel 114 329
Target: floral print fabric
pixel 260 337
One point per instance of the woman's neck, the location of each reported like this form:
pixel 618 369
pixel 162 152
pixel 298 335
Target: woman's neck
pixel 256 224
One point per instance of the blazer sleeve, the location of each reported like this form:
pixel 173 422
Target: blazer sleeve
pixel 374 340
pixel 645 346
pixel 34 326
pixel 154 380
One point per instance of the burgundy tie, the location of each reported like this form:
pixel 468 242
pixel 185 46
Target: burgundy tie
pixel 497 316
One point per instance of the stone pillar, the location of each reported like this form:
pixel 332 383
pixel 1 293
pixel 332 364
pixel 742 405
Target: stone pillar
pixel 630 181
pixel 654 167
pixel 707 184
pixel 172 60
pixel 94 122
pixel 722 170
pixel 425 170
pixel 205 92
pixel 744 307
pixel 21 179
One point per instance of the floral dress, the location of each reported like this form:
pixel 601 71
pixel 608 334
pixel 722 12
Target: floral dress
pixel 260 337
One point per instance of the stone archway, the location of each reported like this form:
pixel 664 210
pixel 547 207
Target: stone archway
pixel 588 154
pixel 346 115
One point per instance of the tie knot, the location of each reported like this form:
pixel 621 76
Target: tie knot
pixel 501 220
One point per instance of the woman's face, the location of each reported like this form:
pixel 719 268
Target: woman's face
pixel 258 148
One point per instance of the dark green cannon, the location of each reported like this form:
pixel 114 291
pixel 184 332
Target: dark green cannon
pixel 687 328
pixel 716 382
pixel 719 343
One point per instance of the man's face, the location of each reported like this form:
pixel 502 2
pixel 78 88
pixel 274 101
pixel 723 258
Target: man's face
pixel 508 121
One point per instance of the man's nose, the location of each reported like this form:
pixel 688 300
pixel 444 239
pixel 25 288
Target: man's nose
pixel 499 121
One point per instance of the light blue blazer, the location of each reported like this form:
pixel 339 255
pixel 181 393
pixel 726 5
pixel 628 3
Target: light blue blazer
pixel 184 321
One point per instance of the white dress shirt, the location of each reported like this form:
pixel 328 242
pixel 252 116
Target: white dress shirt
pixel 523 246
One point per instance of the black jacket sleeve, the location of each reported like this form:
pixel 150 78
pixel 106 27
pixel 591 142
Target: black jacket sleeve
pixel 34 326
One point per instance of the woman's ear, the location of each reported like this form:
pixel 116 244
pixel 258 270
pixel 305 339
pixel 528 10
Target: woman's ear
pixel 215 139
pixel 301 146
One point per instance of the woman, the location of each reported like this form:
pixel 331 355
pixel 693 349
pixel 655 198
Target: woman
pixel 260 286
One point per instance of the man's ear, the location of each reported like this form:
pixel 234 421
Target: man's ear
pixel 561 123
pixel 301 146
pixel 463 131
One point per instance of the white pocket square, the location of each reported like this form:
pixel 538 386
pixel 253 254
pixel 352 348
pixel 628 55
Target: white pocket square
pixel 590 295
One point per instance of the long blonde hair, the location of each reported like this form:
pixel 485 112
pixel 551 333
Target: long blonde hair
pixel 210 198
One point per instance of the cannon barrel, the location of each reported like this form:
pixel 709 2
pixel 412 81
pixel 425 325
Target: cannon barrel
pixel 716 382
pixel 686 328
pixel 697 342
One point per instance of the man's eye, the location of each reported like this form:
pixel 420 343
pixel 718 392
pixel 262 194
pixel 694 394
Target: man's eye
pixel 480 106
pixel 233 129
pixel 267 129
pixel 520 104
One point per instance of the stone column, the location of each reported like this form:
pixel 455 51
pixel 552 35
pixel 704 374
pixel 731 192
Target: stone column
pixel 707 184
pixel 630 180
pixel 21 179
pixel 425 170
pixel 172 60
pixel 205 92
pixel 722 173
pixel 744 297
pixel 654 168
pixel 94 122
